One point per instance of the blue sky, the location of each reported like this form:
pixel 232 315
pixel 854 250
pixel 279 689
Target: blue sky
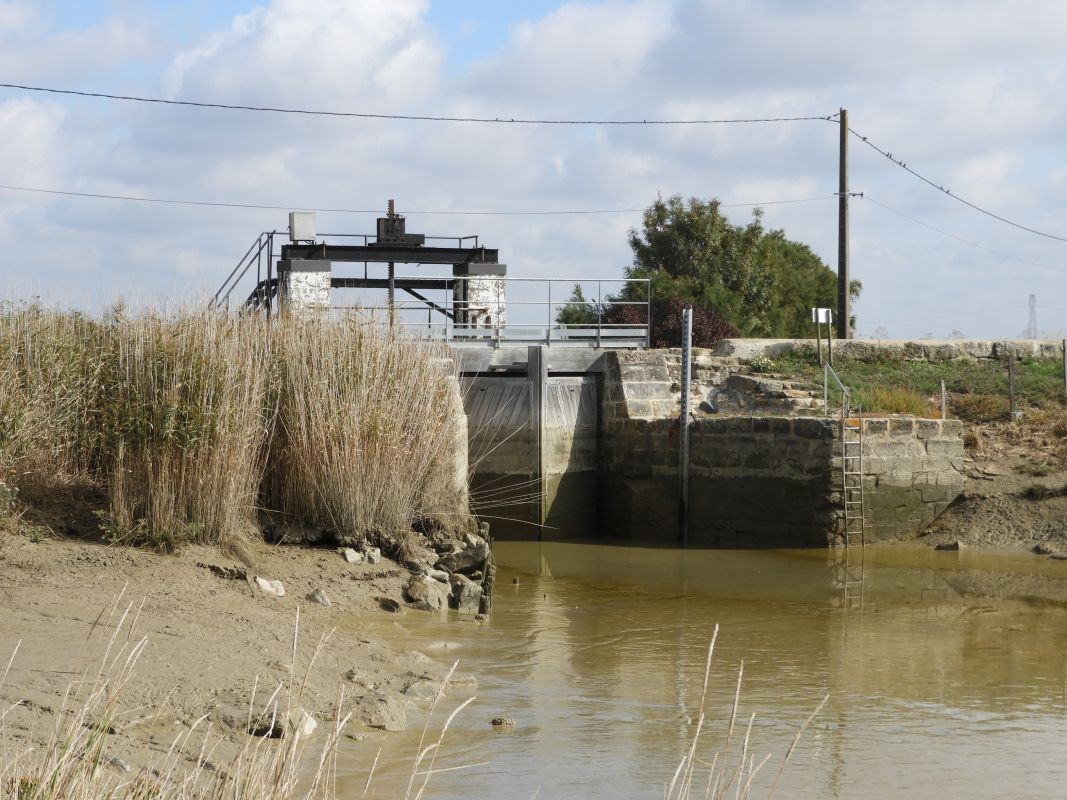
pixel 965 92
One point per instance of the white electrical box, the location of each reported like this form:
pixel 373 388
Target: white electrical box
pixel 822 315
pixel 301 226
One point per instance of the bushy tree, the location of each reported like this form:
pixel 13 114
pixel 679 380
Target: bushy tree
pixel 577 310
pixel 756 283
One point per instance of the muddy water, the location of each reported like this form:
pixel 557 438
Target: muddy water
pixel 947 674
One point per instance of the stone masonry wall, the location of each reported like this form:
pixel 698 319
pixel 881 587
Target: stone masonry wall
pixel 754 481
pixel 913 470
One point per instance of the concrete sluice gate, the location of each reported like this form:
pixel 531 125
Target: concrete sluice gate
pixel 561 450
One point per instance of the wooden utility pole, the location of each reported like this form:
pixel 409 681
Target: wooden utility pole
pixel 844 305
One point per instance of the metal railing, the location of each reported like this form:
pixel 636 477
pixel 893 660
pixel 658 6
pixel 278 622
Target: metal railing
pixel 536 311
pixel 846 398
pixel 260 255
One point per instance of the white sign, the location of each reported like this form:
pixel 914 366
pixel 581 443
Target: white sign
pixel 822 315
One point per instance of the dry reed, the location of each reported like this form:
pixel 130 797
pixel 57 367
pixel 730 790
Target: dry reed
pixel 184 426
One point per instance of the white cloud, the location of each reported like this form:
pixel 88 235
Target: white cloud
pixel 962 93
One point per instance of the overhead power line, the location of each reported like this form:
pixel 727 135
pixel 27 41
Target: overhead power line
pixel 441 212
pixel 414 117
pixel 900 163
pixel 917 221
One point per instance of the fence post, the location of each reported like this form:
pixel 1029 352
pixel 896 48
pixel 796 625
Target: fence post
pixel 943 404
pixel 1065 366
pixel 683 428
pixel 1011 385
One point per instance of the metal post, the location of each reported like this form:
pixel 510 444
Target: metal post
pixel 1011 385
pixel 537 376
pixel 944 405
pixel 548 330
pixel 683 428
pixel 844 310
pixel 826 389
pixel 829 346
pixel 818 339
pixel 1065 366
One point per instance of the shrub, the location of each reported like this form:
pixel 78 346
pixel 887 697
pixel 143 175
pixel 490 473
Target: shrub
pixel 980 407
pixel 892 400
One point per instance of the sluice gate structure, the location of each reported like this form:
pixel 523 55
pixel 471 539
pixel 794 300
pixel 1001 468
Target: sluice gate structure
pixel 572 421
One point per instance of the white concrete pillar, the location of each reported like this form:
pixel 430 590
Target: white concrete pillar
pixel 486 302
pixel 304 287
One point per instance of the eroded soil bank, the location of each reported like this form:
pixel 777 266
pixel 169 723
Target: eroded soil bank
pixel 216 642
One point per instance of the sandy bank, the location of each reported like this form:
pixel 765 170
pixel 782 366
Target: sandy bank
pixel 212 638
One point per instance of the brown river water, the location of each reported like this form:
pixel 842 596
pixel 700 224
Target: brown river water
pixel 947 674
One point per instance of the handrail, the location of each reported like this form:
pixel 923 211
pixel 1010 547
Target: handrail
pixel 846 396
pixel 260 243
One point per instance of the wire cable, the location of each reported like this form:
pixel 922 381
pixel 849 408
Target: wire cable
pixel 948 192
pixel 414 117
pixel 934 228
pixel 446 212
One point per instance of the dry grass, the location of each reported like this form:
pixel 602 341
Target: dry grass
pixel 893 400
pixel 364 438
pixel 184 426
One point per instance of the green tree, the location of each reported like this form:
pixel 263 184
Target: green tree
pixel 692 253
pixel 802 281
pixel 577 310
pixel 760 283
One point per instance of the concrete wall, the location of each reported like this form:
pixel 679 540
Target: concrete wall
pixel 756 480
pixel 912 349
pixel 503 451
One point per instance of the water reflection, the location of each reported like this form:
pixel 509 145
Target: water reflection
pixel 946 671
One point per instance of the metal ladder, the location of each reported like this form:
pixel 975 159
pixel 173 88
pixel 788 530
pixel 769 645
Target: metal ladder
pixel 851 461
pixel 852 479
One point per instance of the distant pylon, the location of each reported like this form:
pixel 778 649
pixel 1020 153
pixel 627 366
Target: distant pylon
pixel 1031 325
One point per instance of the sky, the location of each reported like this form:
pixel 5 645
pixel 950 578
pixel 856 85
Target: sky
pixel 966 93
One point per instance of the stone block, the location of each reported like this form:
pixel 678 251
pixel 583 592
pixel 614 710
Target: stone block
pixel 947 448
pixel 780 425
pixel 951 428
pixel 901 427
pixel 927 428
pixel 646 390
pixel 814 427
pixel 875 427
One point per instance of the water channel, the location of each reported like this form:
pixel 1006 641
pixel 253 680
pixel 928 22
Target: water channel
pixel 947 673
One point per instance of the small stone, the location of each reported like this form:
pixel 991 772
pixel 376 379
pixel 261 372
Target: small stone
pixel 1058 557
pixel 352 556
pixel 515 581
pixel 436 574
pixel 1042 549
pixel 390 605
pixel 384 710
pixel 955 545
pixel 466 595
pixel 319 596
pixel 271 587
pixel 305 724
pixel 118 764
pixel 427 593
pixel 502 722
pixel 481 617
pixel 373 555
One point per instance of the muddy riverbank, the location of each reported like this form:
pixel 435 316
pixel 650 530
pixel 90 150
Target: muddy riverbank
pixel 216 642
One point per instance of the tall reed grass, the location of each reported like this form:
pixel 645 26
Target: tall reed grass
pixel 187 426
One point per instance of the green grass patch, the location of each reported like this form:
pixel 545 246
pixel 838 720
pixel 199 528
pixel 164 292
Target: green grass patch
pixel 978 389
